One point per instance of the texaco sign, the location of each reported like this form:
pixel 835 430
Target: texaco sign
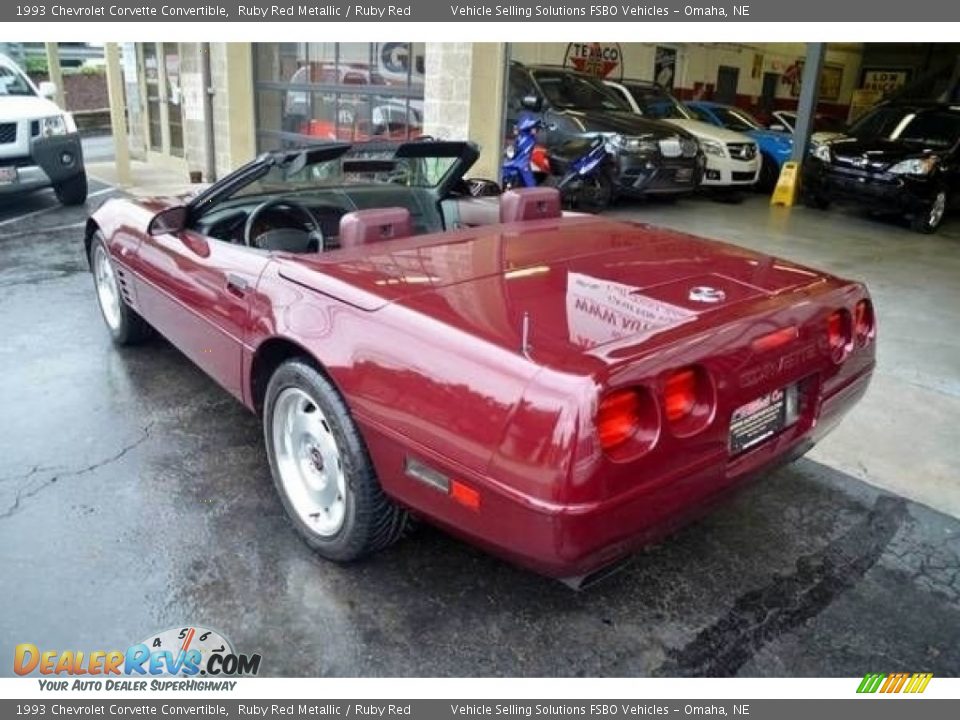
pixel 602 60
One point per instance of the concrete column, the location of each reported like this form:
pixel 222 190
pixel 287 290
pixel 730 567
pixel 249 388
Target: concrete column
pixel 118 120
pixel 56 77
pixel 809 92
pixel 164 91
pixel 231 69
pixel 463 98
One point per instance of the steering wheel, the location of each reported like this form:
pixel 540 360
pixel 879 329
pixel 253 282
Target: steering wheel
pixel 290 239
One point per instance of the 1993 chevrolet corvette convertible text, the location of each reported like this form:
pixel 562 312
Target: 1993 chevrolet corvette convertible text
pixel 560 390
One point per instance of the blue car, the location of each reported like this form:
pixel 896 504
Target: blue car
pixel 775 147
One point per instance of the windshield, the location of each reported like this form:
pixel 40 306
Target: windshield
pixel 736 119
pixel 658 103
pixel 13 83
pixel 879 123
pixel 567 91
pixel 936 129
pixel 787 119
pixel 358 167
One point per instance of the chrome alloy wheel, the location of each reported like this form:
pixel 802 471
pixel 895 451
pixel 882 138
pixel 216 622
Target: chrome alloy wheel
pixel 108 292
pixel 308 462
pixel 937 210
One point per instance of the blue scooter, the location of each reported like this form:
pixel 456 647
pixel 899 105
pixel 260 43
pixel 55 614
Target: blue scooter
pixel 581 168
pixel 517 171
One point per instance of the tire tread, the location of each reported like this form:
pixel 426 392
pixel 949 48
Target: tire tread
pixel 378 522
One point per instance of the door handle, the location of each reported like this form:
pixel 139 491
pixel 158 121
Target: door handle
pixel 236 285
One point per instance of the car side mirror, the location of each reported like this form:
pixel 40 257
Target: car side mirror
pixel 171 220
pixel 47 90
pixel 531 102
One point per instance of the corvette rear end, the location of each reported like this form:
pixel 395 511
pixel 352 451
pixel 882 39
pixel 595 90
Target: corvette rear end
pixel 598 398
pixel 671 427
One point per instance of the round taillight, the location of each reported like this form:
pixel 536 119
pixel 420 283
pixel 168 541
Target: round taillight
pixel 863 321
pixel 627 421
pixel 688 400
pixel 680 394
pixel 839 334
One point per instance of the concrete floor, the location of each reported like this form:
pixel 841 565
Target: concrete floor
pixel 135 496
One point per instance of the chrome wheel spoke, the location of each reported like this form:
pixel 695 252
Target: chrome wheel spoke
pixel 309 462
pixel 108 293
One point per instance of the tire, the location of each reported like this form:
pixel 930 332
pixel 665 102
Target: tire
pixel 596 192
pixel 72 191
pixel 930 220
pixel 769 174
pixel 815 201
pixel 126 327
pixel 322 470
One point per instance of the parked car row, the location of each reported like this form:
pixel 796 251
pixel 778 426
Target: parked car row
pixel 658 146
pixel 900 157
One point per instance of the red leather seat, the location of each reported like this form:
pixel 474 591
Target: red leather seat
pixel 369 226
pixel 533 203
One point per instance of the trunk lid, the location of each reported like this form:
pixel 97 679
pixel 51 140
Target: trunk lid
pixel 575 284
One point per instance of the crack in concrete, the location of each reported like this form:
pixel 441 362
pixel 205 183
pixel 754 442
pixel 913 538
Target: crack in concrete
pixel 761 616
pixel 31 488
pixel 29 474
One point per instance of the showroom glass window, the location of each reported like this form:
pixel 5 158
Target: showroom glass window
pixel 337 91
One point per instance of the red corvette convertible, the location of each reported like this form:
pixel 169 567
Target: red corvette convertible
pixel 560 390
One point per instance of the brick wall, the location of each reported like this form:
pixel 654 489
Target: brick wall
pixel 84 91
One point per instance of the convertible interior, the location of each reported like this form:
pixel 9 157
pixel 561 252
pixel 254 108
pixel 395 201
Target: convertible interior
pixel 340 196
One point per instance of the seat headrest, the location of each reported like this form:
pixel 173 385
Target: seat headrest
pixel 368 226
pixel 533 203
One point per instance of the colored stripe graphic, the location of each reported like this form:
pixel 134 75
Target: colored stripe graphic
pixel 871 682
pixel 894 683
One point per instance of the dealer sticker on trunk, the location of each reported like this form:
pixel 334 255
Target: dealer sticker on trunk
pixel 758 420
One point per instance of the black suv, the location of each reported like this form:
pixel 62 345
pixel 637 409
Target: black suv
pixel 652 157
pixel 903 157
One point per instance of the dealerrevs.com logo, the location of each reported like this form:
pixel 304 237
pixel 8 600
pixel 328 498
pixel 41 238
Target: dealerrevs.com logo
pixel 183 653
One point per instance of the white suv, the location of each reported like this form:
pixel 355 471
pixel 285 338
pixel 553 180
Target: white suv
pixel 732 158
pixel 39 144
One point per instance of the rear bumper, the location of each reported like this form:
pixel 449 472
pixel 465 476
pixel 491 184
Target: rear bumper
pixel 572 542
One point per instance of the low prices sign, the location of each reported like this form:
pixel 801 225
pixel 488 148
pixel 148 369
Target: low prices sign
pixel 884 81
pixel 602 60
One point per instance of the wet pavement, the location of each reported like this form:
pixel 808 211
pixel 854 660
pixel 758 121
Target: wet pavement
pixel 135 496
